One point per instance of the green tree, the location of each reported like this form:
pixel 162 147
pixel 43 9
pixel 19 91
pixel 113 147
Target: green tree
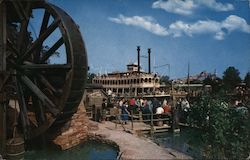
pixel 90 77
pixel 165 80
pixel 247 79
pixel 231 78
pixel 215 82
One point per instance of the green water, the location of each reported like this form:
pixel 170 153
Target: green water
pixel 187 141
pixel 87 151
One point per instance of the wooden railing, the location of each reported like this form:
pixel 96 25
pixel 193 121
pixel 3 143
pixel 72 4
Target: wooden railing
pixel 114 113
pixel 139 118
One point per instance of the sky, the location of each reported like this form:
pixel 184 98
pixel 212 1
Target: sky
pixel 210 35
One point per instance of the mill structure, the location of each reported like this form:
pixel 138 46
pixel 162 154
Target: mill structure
pixel 42 74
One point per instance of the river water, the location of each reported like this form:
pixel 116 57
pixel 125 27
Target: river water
pixel 91 150
pixel 187 141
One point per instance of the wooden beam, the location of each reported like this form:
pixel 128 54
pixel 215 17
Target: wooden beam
pixel 3 107
pixel 40 95
pixel 2 38
pixel 3 103
pixel 65 67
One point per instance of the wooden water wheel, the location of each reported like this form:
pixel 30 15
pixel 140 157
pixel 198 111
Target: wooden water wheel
pixel 47 69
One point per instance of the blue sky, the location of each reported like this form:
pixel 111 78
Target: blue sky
pixel 209 34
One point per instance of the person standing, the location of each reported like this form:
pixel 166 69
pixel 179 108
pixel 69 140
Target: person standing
pixel 156 104
pixel 104 109
pixel 125 113
pixel 132 104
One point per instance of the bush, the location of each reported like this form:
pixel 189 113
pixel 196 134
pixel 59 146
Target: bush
pixel 227 130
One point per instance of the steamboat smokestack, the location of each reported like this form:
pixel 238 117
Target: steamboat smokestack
pixel 149 61
pixel 138 58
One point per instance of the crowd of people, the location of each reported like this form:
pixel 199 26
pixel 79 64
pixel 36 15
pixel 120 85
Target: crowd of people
pixel 159 109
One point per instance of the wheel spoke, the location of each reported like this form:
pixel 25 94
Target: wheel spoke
pixel 40 40
pixel 39 110
pixel 45 22
pixel 52 50
pixel 20 10
pixel 11 46
pixel 4 81
pixel 46 83
pixel 66 67
pixel 40 95
pixel 24 18
pixel 43 28
pixel 23 109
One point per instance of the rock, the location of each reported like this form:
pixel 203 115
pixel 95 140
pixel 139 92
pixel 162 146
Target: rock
pixel 75 131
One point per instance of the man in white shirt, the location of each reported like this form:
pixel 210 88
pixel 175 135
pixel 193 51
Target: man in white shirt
pixel 159 110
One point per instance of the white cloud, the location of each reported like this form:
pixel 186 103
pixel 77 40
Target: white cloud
pixel 219 35
pixel 147 23
pixel 187 7
pixel 217 6
pixel 179 28
pixel 233 22
pixel 176 6
pixel 219 29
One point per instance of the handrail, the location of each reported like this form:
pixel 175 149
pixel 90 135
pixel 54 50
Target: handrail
pixel 152 119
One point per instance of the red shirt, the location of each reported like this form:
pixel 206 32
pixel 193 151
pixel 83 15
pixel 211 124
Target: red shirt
pixel 132 102
pixel 167 109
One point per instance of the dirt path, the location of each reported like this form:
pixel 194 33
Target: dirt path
pixel 134 147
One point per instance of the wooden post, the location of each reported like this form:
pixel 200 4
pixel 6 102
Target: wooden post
pixel 3 110
pixel 3 102
pixel 175 123
pixel 116 121
pixel 132 119
pixel 152 123
pixel 151 119
pixel 140 116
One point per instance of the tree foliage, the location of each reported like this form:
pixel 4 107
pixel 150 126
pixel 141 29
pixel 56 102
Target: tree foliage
pixel 165 80
pixel 226 128
pixel 231 78
pixel 247 79
pixel 215 82
pixel 90 77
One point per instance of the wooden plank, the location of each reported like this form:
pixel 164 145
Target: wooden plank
pixel 160 131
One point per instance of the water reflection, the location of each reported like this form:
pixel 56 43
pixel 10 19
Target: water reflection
pixel 187 141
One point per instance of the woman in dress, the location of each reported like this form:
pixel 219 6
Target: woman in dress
pixel 125 112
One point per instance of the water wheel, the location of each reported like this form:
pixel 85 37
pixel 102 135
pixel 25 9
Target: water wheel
pixel 46 64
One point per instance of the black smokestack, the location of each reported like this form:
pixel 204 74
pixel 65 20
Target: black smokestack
pixel 149 61
pixel 138 58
